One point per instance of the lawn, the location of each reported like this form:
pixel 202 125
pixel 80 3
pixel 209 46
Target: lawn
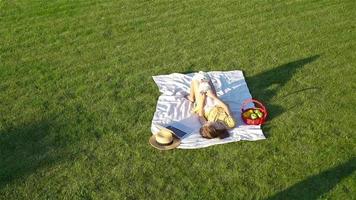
pixel 77 98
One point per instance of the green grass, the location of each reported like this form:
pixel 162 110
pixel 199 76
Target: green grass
pixel 77 98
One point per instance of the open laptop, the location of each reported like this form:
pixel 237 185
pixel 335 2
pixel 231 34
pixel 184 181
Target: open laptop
pixel 177 132
pixel 184 127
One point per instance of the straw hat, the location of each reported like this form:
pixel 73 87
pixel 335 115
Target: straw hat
pixel 164 140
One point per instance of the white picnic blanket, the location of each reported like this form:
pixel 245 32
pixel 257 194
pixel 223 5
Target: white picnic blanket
pixel 173 109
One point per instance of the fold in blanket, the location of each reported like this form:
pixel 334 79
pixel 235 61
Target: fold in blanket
pixel 174 109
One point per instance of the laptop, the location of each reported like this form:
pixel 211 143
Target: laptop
pixel 177 132
pixel 185 127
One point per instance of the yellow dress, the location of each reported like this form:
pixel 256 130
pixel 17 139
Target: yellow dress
pixel 216 114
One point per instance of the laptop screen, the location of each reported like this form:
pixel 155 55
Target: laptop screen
pixel 179 133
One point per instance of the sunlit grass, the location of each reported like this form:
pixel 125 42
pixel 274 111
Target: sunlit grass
pixel 77 98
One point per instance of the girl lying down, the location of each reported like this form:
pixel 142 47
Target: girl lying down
pixel 214 115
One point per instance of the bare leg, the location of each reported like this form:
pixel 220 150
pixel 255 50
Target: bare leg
pixel 193 89
pixel 200 98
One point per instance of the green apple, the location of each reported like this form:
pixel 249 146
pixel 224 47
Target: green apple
pixel 253 116
pixel 258 113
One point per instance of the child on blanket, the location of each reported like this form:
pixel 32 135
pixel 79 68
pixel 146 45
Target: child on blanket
pixel 214 114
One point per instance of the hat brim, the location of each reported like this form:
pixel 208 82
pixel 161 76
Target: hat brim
pixel 175 143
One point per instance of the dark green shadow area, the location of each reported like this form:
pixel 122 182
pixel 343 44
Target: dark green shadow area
pixel 26 149
pixel 315 186
pixel 277 77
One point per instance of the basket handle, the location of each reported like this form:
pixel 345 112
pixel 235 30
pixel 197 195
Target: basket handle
pixel 257 102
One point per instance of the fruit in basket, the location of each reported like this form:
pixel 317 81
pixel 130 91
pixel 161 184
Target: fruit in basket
pixel 253 116
pixel 258 113
pixel 246 115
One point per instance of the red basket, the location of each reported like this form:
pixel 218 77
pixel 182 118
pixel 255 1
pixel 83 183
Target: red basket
pixel 261 107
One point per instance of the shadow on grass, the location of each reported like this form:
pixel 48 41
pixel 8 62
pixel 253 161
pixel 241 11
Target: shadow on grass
pixel 25 149
pixel 266 85
pixel 315 186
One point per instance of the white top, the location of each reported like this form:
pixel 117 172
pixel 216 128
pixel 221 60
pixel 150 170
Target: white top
pixel 210 103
